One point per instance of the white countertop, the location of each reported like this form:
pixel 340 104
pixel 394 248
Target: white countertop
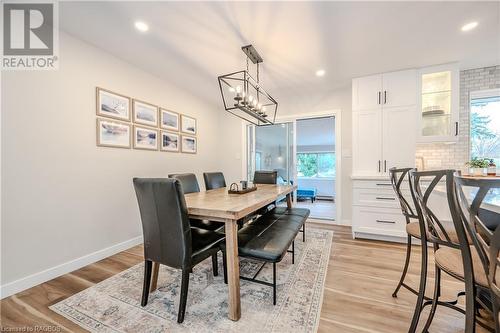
pixel 491 201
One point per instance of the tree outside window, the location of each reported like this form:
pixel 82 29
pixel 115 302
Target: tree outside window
pixel 319 165
pixel 485 128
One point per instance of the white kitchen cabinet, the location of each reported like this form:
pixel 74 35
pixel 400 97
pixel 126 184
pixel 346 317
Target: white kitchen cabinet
pixel 367 92
pixel 438 104
pixel 398 137
pixel 367 141
pixel 388 89
pixel 383 122
pixel 399 88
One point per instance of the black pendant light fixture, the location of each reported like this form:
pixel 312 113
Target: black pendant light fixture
pixel 243 96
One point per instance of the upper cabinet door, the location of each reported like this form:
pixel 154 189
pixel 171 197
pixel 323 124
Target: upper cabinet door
pixel 398 137
pixel 399 88
pixel 438 109
pixel 367 92
pixel 367 142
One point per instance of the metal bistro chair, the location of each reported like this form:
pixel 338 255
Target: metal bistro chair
pixel 482 227
pixel 445 237
pixel 398 177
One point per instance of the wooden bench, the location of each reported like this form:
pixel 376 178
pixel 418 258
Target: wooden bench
pixel 269 237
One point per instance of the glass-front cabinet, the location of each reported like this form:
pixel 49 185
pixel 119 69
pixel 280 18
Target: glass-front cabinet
pixel 438 104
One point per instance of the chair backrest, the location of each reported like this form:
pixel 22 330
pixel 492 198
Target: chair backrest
pixel 214 180
pixel 165 222
pixel 424 184
pixel 398 178
pixel 481 224
pixel 188 181
pixel 265 177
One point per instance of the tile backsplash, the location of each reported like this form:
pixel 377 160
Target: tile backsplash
pixel 455 155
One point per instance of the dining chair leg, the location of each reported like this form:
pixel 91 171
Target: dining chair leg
pixel 224 266
pixel 304 232
pixel 496 308
pixel 405 269
pixel 293 252
pixel 148 265
pixel 470 301
pixel 184 292
pixel 274 283
pixel 421 288
pixel 435 298
pixel 215 264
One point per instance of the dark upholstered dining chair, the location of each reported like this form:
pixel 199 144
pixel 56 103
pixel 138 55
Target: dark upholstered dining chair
pixel 482 228
pixel 265 177
pixel 190 184
pixel 214 180
pixel 168 237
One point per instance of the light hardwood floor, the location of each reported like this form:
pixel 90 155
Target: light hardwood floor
pixel 357 297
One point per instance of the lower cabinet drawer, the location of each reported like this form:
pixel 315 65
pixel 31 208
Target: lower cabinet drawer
pixel 375 197
pixel 380 221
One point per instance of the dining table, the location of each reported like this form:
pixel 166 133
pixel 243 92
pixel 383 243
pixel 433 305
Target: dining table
pixel 221 206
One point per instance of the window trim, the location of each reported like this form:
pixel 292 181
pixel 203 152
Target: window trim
pixel 477 94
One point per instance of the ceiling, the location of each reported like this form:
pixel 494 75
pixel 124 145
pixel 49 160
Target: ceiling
pixel 191 43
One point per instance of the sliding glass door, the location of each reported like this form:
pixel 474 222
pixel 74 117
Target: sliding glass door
pixel 271 148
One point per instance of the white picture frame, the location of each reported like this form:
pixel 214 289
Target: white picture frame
pixel 145 113
pixel 169 120
pixel 112 105
pixel 189 144
pixel 112 133
pixel 145 138
pixel 170 141
pixel 188 125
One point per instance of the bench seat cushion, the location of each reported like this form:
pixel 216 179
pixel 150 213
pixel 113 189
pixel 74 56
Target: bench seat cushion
pixel 269 237
pixel 302 212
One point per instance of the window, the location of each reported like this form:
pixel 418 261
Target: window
pixel 319 165
pixel 485 125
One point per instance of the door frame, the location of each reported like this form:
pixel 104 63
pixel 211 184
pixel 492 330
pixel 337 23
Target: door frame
pixel 336 113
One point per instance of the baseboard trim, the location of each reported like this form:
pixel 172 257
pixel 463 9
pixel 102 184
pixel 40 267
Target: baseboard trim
pixel 30 281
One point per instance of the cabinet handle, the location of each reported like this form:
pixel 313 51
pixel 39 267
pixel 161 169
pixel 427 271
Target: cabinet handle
pixel 385 221
pixel 379 93
pixel 385 165
pixel 378 165
pixel 383 198
pixel 385 96
pixel 456 128
pixel 382 184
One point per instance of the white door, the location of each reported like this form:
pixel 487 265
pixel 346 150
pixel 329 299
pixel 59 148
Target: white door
pixel 367 92
pixel 367 142
pixel 399 88
pixel 399 128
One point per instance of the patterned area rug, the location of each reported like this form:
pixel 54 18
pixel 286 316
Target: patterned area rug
pixel 113 305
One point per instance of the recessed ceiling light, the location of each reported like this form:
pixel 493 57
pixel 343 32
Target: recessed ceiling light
pixel 141 26
pixel 320 72
pixel 469 26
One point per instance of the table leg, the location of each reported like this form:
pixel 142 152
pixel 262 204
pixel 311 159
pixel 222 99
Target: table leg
pixel 154 277
pixel 289 200
pixel 233 270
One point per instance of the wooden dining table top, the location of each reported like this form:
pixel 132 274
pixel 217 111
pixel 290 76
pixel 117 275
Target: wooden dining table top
pixel 219 205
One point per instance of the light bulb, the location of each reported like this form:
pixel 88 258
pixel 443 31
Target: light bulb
pixel 254 103
pixel 250 98
pixel 259 106
pixel 238 89
pixel 231 89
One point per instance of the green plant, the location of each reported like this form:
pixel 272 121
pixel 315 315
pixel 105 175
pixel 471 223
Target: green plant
pixel 478 163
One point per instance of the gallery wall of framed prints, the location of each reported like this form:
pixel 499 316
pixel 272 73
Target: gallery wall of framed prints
pixel 124 122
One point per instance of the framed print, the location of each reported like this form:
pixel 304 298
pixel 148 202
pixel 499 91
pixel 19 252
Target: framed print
pixel 112 133
pixel 113 105
pixel 188 125
pixel 169 141
pixel 145 138
pixel 169 120
pixel 146 114
pixel 188 144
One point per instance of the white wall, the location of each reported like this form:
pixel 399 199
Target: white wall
pixel 63 197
